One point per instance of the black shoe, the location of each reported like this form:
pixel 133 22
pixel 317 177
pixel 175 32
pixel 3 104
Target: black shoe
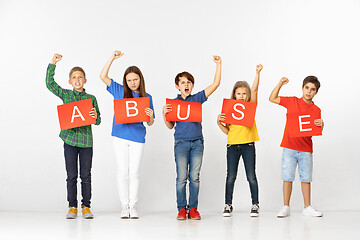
pixel 254 210
pixel 227 210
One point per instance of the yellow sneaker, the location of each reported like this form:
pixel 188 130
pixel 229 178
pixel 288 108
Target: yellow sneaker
pixel 86 213
pixel 72 214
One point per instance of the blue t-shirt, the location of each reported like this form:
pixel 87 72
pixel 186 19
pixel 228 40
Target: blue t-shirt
pixel 190 130
pixel 130 131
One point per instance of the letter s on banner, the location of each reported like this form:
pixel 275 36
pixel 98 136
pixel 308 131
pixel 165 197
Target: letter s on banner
pixel 239 111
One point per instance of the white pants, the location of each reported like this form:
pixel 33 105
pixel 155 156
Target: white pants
pixel 128 158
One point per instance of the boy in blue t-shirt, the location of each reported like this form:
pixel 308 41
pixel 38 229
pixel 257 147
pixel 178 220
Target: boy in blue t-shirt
pixel 189 143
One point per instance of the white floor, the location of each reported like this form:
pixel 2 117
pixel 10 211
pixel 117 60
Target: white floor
pixel 334 225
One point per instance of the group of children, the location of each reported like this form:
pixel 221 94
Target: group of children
pixel 129 140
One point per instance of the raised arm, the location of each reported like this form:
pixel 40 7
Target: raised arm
pixel 50 82
pixel 224 128
pixel 210 89
pixel 105 71
pixel 274 96
pixel 166 109
pixel 255 86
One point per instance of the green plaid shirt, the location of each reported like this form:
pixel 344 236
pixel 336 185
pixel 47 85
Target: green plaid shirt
pixel 79 136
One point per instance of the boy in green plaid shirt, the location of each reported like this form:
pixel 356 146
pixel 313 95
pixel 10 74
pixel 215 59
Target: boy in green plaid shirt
pixel 78 142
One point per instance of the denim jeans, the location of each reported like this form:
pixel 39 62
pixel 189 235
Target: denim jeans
pixel 188 159
pixel 71 162
pixel 234 152
pixel 290 159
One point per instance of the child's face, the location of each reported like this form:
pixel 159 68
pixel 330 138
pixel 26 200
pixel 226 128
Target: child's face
pixel 185 86
pixel 241 94
pixel 133 81
pixel 77 81
pixel 309 91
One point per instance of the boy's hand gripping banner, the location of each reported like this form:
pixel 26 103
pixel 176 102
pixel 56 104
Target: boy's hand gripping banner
pixel 302 124
pixel 75 114
pixel 130 110
pixel 183 111
pixel 239 112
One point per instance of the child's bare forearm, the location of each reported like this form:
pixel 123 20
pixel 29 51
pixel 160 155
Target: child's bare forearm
pixel 274 96
pixel 105 71
pixel 255 85
pixel 210 89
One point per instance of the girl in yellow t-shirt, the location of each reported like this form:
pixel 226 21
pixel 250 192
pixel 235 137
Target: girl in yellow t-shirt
pixel 241 143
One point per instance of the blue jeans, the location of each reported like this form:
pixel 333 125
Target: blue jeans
pixel 188 159
pixel 234 152
pixel 72 154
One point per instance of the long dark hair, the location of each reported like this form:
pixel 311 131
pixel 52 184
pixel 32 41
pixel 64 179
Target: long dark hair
pixel 127 90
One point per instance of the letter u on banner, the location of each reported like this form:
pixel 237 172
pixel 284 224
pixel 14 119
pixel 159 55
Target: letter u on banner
pixel 75 114
pixel 184 111
pixel 239 112
pixel 130 110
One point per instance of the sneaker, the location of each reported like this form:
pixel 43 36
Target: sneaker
pixel 72 214
pixel 86 213
pixel 227 210
pixel 125 212
pixel 133 213
pixel 284 212
pixel 310 211
pixel 181 214
pixel 194 214
pixel 254 210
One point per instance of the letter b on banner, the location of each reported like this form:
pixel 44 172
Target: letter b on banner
pixel 130 110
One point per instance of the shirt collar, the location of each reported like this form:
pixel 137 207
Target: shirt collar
pixel 181 98
pixel 79 93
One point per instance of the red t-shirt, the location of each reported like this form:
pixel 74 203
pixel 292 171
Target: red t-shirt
pixel 297 105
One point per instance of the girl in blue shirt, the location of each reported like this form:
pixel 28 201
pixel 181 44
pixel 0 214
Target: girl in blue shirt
pixel 129 138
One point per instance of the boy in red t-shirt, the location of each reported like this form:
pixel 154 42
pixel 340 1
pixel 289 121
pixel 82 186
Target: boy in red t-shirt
pixel 298 150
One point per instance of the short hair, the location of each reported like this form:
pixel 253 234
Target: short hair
pixel 127 90
pixel 243 84
pixel 184 74
pixel 74 69
pixel 312 79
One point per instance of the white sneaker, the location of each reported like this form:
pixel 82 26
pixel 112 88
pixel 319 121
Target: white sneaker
pixel 310 211
pixel 284 212
pixel 125 213
pixel 133 213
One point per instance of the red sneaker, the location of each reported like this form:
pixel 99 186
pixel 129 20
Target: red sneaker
pixel 194 214
pixel 182 214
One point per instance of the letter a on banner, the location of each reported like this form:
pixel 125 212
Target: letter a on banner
pixel 184 111
pixel 75 114
pixel 239 112
pixel 130 110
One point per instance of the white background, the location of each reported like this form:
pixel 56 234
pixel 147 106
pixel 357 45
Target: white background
pixel 290 38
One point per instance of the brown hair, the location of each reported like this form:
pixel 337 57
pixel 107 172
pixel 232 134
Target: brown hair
pixel 127 90
pixel 74 69
pixel 243 84
pixel 312 79
pixel 184 74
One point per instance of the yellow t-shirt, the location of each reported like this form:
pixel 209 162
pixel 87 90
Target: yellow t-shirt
pixel 241 134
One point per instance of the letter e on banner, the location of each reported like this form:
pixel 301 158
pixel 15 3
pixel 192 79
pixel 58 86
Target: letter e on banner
pixel 302 124
pixel 184 111
pixel 75 114
pixel 239 112
pixel 130 110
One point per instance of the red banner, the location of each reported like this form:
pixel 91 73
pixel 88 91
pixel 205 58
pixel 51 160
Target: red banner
pixel 130 110
pixel 184 111
pixel 75 114
pixel 239 112
pixel 302 124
